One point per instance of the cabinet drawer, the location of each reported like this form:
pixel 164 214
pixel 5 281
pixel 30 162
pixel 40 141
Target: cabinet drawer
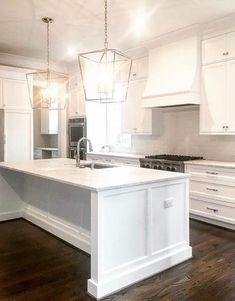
pixel 213 210
pixel 211 172
pixel 213 189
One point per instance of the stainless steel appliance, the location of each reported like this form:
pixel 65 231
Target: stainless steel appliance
pixel 166 162
pixel 77 130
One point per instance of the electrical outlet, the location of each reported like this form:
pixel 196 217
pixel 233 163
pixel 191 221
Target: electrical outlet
pixel 168 203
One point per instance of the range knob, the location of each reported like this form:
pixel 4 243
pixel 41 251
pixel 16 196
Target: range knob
pixel 159 167
pixel 156 167
pixel 173 169
pixel 147 166
pixel 168 168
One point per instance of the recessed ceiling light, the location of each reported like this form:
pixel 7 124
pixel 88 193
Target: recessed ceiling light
pixel 139 23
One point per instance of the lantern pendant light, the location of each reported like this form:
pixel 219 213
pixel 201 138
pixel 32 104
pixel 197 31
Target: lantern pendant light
pixel 106 72
pixel 52 85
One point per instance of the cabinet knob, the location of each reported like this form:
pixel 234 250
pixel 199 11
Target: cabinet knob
pixel 226 53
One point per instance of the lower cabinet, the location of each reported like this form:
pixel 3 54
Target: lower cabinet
pixel 212 194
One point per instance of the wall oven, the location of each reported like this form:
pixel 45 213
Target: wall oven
pixel 77 130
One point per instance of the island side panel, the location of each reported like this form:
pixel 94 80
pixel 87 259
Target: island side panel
pixel 11 194
pixel 137 232
pixel 61 209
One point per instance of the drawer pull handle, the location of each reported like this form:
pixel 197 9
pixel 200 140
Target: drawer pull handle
pixel 212 209
pixel 212 173
pixel 211 189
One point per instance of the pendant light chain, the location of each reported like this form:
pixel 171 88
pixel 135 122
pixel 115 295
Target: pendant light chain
pixel 105 24
pixel 48 46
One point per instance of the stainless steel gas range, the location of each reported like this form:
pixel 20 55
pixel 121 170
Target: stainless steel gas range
pixel 166 162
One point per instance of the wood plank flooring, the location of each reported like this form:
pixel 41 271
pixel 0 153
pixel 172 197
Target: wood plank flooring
pixel 35 266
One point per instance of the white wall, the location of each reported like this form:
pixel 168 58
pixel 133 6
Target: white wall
pixel 181 136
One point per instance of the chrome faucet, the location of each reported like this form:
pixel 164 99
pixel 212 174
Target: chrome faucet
pixel 77 157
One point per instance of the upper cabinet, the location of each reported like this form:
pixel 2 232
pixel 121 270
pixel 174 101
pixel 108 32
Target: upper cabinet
pixel 49 122
pixel 77 105
pixel 15 94
pixel 1 97
pixel 139 69
pixel 218 48
pixel 218 93
pixel 136 119
pixel 218 89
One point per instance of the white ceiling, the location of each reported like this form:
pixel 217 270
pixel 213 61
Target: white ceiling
pixel 79 23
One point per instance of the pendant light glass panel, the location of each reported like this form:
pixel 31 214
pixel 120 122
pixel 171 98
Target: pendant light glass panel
pixel 105 75
pixel 52 85
pixel 52 90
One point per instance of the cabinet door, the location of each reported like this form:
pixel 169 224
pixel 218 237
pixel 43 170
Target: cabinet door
pixel 16 94
pixel 18 131
pixel 77 106
pixel 135 118
pixel 214 103
pixel 49 121
pixel 139 68
pixel 214 49
pixel 231 96
pixel 1 98
pixel 231 45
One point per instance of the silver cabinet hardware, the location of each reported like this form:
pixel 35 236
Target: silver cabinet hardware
pixel 212 173
pixel 212 209
pixel 226 53
pixel 211 189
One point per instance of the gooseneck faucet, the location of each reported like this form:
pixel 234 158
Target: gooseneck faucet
pixel 78 159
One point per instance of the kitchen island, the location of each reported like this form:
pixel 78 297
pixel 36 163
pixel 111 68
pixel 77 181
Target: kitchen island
pixel 134 222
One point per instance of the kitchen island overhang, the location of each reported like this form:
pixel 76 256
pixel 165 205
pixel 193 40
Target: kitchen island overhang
pixel 134 222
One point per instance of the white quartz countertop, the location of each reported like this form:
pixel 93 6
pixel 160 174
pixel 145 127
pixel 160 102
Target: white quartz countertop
pixel 50 149
pixel 223 164
pixel 114 154
pixel 64 170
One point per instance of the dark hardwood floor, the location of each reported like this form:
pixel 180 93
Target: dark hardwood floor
pixel 34 266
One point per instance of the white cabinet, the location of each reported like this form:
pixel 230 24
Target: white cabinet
pixel 16 94
pixel 231 96
pixel 49 122
pixel 212 193
pixel 139 68
pixel 212 110
pixel 217 106
pixel 77 106
pixel 18 135
pixel 218 48
pixel 136 119
pixel 1 96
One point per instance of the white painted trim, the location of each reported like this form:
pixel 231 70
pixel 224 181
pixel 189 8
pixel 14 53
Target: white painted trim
pixel 212 221
pixel 139 273
pixel 67 232
pixel 10 215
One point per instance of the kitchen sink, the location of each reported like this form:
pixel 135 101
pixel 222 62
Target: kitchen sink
pixel 98 166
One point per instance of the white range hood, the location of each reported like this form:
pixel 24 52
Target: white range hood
pixel 174 75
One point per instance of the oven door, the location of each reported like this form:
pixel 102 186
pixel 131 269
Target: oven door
pixel 76 132
pixel 73 152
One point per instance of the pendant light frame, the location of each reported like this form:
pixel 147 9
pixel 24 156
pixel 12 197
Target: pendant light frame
pixel 118 70
pixel 49 81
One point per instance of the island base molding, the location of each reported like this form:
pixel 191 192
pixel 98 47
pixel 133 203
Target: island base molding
pixel 145 269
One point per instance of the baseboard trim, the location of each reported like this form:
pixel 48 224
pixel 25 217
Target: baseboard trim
pixel 10 215
pixel 139 273
pixel 212 222
pixel 66 232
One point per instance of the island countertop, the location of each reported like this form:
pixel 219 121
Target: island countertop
pixel 64 170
